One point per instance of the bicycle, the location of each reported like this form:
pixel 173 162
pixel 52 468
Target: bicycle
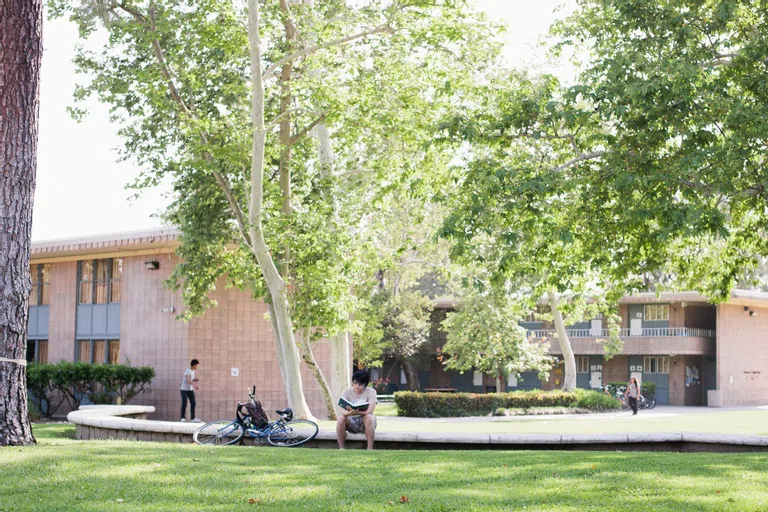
pixel 284 431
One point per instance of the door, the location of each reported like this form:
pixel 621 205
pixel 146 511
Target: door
pixel 596 327
pixel 635 326
pixel 596 379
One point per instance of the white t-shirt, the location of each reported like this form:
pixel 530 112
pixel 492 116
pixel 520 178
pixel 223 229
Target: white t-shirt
pixel 186 386
pixel 368 395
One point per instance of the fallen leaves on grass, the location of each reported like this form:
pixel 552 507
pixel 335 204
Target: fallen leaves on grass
pixel 404 499
pixel 253 501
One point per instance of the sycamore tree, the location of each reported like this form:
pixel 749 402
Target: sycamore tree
pixel 405 273
pixel 21 50
pixel 678 174
pixel 518 208
pixel 484 334
pixel 278 123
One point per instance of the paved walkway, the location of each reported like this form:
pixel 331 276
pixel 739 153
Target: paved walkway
pixel 663 428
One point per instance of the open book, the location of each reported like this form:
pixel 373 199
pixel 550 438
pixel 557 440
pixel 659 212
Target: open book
pixel 359 407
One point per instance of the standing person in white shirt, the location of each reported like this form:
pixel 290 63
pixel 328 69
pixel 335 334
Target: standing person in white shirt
pixel 352 420
pixel 188 386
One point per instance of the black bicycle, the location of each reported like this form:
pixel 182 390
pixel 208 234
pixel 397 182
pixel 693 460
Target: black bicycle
pixel 284 431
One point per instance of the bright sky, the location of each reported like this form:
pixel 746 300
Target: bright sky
pixel 81 187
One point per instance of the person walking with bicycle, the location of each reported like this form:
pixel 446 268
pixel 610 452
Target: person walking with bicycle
pixel 633 393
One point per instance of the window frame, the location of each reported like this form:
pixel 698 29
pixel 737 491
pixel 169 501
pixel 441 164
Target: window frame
pixel 37 273
pixel 36 356
pixel 92 350
pixel 656 365
pixel 109 280
pixel 579 360
pixel 656 312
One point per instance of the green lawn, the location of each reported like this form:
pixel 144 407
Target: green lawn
pixel 63 474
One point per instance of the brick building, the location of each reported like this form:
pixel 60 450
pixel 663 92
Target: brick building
pixel 102 299
pixel 695 352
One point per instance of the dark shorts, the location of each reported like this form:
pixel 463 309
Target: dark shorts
pixel 355 424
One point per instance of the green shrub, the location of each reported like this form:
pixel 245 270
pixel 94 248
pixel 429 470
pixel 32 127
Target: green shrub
pixel 34 411
pixel 446 405
pixel 595 401
pixel 53 384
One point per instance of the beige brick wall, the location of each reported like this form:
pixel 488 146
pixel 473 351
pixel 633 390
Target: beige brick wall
pixel 61 319
pixel 235 334
pixel 742 355
pixel 616 369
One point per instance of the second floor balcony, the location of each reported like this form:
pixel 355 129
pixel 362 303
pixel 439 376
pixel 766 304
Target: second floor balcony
pixel 658 340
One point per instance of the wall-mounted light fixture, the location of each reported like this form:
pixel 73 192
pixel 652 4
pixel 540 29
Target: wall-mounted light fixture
pixel 152 265
pixel 753 313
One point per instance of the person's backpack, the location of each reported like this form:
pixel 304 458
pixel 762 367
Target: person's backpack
pixel 257 414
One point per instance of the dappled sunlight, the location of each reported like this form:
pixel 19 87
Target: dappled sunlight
pixel 160 476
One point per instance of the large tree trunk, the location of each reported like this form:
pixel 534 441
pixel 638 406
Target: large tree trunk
pixel 284 336
pixel 411 374
pixel 309 359
pixel 569 378
pixel 21 49
pixel 341 360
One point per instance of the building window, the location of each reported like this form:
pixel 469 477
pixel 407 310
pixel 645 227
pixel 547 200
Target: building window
pixel 582 364
pixel 41 284
pixel 530 317
pixel 99 281
pixel 656 312
pixel 37 351
pixel 656 364
pixel 98 351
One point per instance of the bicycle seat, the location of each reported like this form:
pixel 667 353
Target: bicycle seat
pixel 284 411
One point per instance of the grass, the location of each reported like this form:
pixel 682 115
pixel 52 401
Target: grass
pixel 63 474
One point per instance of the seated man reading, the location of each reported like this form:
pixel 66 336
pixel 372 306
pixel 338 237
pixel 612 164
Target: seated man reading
pixel 355 417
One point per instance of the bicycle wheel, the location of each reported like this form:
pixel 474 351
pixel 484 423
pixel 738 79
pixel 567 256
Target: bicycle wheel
pixel 651 403
pixel 293 433
pixel 219 433
pixel 624 404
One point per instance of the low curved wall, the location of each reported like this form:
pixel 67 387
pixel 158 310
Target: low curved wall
pixel 129 422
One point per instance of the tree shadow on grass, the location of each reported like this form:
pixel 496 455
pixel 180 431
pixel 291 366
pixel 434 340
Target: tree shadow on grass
pixel 160 476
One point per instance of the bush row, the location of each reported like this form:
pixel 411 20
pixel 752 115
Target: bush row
pixel 449 405
pixel 446 405
pixel 51 385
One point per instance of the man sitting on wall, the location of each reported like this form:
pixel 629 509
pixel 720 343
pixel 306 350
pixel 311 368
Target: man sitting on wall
pixel 355 416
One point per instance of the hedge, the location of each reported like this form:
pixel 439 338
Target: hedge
pixel 51 385
pixel 451 405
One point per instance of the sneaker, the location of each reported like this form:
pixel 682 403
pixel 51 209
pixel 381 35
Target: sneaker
pixel 183 420
pixel 197 420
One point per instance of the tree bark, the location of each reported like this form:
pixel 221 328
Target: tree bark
pixel 284 336
pixel 21 49
pixel 411 374
pixel 309 359
pixel 569 377
pixel 499 383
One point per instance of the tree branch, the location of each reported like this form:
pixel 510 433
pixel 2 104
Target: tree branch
pixel 580 158
pixel 336 42
pixel 296 138
pixel 355 172
pixel 221 180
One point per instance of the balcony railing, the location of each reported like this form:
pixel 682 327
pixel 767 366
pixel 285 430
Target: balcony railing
pixel 657 332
